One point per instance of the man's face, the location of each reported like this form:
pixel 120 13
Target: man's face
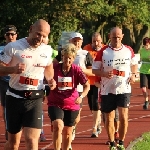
pixel 116 38
pixel 10 36
pixel 77 42
pixel 38 35
pixel 96 42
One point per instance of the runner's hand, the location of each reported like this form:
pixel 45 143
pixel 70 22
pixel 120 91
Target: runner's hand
pixel 78 100
pixel 131 79
pixel 108 74
pixel 19 68
pixel 52 84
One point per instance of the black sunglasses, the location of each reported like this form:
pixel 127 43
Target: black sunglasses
pixel 12 34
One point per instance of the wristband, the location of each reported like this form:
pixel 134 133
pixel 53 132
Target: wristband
pixel 81 96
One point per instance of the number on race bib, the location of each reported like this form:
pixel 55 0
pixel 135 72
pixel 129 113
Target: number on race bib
pixel 64 83
pixel 28 81
pixel 119 73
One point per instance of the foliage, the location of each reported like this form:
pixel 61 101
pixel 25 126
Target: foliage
pixel 85 16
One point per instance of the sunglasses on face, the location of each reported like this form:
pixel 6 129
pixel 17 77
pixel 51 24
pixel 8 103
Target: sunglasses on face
pixel 12 34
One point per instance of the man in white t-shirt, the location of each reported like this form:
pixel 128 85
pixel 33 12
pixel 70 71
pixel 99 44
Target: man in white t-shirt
pixel 119 67
pixel 25 93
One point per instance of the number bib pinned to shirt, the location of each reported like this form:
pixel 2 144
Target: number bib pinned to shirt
pixel 120 71
pixel 64 83
pixel 27 81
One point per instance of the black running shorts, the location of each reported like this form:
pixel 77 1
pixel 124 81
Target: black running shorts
pixel 144 80
pixel 68 116
pixel 3 89
pixel 23 113
pixel 93 98
pixel 111 101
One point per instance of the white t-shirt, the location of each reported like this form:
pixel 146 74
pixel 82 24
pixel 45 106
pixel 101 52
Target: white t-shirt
pixel 35 59
pixel 119 61
pixel 80 60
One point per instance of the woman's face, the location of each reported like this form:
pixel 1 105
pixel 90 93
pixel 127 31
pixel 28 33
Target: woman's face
pixel 67 60
pixel 147 45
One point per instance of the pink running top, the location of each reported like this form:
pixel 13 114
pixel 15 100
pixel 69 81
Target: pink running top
pixel 65 93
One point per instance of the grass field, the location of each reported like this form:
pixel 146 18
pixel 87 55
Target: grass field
pixel 143 143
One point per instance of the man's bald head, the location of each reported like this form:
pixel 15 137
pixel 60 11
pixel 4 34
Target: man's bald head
pixel 41 24
pixel 115 29
pixel 115 37
pixel 38 32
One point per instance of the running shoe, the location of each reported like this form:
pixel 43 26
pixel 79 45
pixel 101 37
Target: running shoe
pixel 94 133
pixel 42 137
pixel 112 148
pixel 120 147
pixel 146 104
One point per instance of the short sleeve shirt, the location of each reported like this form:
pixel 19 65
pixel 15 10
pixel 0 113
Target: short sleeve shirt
pixel 35 59
pixel 65 94
pixel 119 61
pixel 145 58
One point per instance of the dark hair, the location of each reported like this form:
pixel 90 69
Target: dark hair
pixel 8 28
pixel 146 40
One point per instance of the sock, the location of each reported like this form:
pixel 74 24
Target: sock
pixel 112 143
pixel 120 142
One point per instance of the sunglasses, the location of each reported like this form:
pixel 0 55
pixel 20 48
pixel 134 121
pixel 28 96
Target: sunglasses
pixel 12 34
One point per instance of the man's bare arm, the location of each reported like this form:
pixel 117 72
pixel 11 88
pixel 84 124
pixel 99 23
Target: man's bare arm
pixel 49 72
pixel 5 70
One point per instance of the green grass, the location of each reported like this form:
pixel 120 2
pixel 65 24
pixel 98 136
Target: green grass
pixel 143 144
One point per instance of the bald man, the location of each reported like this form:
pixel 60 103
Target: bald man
pixel 25 93
pixel 119 67
pixel 92 95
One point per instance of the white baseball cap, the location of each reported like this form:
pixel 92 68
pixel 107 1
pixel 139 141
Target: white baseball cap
pixel 76 34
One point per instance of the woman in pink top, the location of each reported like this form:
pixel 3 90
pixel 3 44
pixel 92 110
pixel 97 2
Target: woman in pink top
pixel 64 101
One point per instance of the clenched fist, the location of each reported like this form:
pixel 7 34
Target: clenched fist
pixel 19 68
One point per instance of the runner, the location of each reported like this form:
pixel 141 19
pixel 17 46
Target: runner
pixel 25 94
pixel 93 93
pixel 145 71
pixel 83 60
pixel 64 101
pixel 10 35
pixel 118 68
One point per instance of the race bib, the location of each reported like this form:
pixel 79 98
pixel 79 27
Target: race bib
pixel 64 83
pixel 26 81
pixel 119 73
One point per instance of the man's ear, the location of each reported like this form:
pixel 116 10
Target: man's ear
pixel 122 35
